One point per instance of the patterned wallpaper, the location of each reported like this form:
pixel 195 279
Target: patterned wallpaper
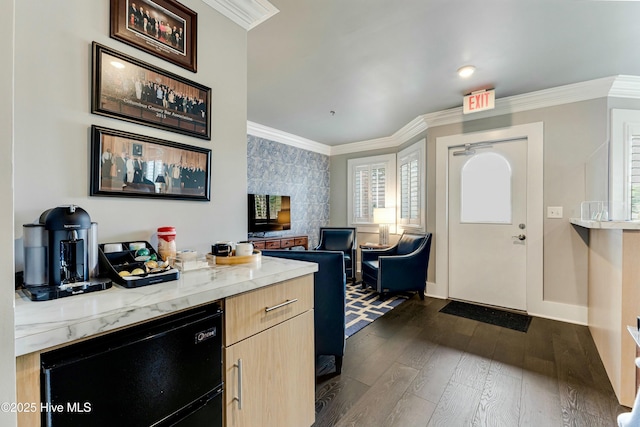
pixel 275 168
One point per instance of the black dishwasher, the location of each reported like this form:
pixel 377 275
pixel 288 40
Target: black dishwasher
pixel 167 372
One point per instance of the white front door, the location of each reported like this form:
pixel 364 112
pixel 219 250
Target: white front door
pixel 488 223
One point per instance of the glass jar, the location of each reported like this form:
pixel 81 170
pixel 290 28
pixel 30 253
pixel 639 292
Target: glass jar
pixel 167 242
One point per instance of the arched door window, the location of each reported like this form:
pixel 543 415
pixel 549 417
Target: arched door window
pixel 486 190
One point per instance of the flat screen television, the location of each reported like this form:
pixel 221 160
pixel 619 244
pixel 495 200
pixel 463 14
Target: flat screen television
pixel 269 212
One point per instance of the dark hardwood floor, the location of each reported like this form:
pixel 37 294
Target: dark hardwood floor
pixel 415 366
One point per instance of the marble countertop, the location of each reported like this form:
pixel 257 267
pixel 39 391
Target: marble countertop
pixel 44 324
pixel 610 225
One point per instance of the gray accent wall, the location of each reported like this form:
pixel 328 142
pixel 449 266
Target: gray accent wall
pixel 280 169
pixel 572 133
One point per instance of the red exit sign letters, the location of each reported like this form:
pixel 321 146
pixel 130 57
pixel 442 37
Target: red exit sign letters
pixel 479 101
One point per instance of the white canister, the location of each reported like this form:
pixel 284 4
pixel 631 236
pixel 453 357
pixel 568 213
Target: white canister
pixel 244 249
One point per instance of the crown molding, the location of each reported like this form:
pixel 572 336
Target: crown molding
pixel 560 95
pixel 616 86
pixel 276 135
pixel 625 87
pixel 621 86
pixel 246 13
pixel 408 131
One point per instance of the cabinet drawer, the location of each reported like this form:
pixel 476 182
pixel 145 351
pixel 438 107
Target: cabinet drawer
pixel 302 241
pixel 258 245
pixel 276 383
pixel 246 314
pixel 272 244
pixel 287 243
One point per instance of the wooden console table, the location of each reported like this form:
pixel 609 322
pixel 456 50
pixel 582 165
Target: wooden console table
pixel 280 242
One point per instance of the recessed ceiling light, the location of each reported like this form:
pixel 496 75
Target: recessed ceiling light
pixel 466 71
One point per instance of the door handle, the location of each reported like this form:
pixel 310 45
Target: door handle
pixel 520 237
pixel 287 302
pixel 239 398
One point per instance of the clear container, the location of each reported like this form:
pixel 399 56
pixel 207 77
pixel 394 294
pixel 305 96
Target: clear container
pixel 167 243
pixel 594 211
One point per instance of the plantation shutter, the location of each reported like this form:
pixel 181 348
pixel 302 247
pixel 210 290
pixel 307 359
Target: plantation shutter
pixel 410 189
pixel 371 183
pixel 361 192
pixel 369 190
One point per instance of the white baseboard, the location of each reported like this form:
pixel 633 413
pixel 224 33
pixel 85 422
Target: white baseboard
pixel 562 312
pixel 569 313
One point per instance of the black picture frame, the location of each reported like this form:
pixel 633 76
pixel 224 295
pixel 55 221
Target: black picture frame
pixel 126 88
pixel 164 28
pixel 167 170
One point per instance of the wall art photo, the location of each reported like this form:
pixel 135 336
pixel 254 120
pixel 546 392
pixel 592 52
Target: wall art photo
pixel 124 164
pixel 164 28
pixel 132 90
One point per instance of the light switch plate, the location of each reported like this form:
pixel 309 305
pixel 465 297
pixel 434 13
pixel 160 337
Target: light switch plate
pixel 554 211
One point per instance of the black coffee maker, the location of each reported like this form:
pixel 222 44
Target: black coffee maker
pixel 67 228
pixel 61 255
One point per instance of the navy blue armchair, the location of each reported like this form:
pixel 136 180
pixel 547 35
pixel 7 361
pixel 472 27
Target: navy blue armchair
pixel 341 239
pixel 330 299
pixel 400 268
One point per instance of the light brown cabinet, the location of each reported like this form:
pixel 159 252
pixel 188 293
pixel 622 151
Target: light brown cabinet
pixel 269 356
pixel 270 330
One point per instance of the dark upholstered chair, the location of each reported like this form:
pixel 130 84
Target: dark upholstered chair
pixel 402 267
pixel 330 299
pixel 344 240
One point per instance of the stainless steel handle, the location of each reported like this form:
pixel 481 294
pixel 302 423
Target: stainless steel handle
pixel 287 302
pixel 239 398
pixel 520 237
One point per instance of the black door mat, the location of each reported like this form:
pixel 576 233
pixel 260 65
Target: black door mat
pixel 493 316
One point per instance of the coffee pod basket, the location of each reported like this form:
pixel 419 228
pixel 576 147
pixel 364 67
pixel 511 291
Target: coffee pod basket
pixel 135 261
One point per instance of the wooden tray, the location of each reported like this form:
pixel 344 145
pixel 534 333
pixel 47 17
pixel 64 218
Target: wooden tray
pixel 230 260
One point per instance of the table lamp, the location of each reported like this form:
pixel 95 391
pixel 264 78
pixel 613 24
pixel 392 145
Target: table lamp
pixel 384 217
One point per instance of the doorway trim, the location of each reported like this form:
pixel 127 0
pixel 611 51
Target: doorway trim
pixel 534 134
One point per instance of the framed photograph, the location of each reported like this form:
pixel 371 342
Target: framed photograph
pixel 163 28
pixel 124 164
pixel 126 88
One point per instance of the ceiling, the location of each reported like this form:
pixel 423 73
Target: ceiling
pixel 379 64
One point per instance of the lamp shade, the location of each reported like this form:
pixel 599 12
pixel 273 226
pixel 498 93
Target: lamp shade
pixel 160 179
pixel 384 215
pixel 284 216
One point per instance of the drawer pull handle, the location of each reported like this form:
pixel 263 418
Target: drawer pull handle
pixel 287 302
pixel 239 398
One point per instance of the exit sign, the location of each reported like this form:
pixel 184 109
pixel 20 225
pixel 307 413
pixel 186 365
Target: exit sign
pixel 479 101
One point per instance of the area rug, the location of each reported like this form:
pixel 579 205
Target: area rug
pixel 365 305
pixel 493 316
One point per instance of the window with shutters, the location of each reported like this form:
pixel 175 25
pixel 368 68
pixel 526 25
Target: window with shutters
pixel 371 184
pixel 411 185
pixel 624 162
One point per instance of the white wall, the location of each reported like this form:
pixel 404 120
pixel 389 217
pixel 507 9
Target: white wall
pixel 50 133
pixel 7 351
pixel 52 122
pixel 572 132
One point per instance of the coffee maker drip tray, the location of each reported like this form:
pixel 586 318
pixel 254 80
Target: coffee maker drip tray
pixel 45 293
